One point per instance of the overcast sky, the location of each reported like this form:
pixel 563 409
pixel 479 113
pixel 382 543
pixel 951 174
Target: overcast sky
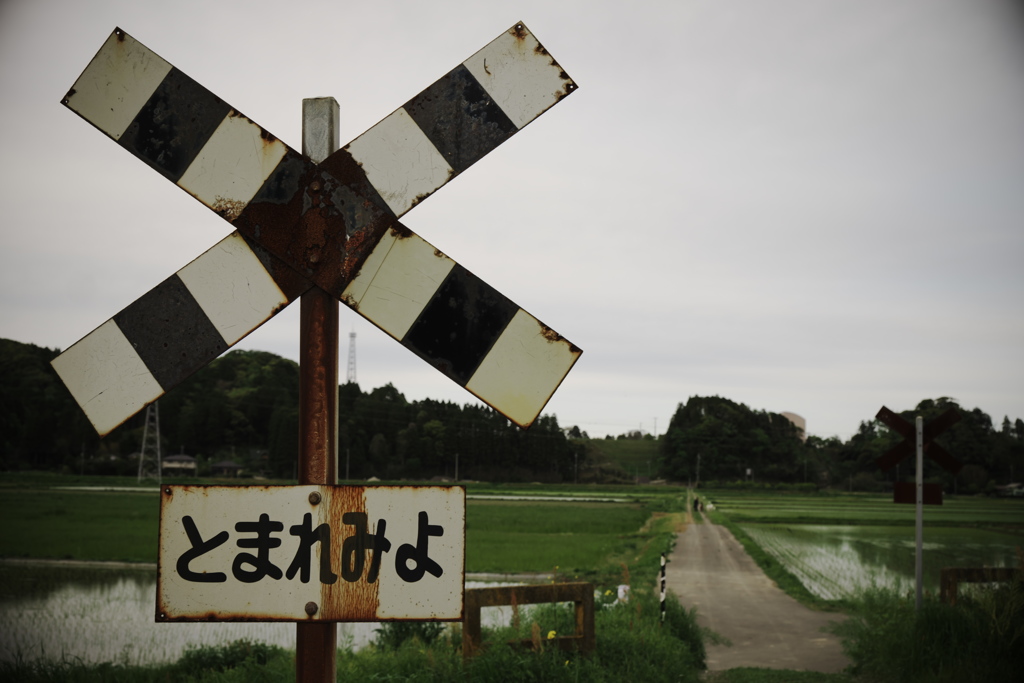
pixel 811 206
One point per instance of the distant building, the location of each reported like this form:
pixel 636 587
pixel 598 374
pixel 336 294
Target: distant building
pixel 800 423
pixel 179 465
pixel 226 468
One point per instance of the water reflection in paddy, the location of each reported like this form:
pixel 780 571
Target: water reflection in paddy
pixel 104 615
pixel 834 562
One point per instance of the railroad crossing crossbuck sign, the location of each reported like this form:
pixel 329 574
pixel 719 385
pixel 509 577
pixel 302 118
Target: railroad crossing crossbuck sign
pixel 905 492
pixel 333 225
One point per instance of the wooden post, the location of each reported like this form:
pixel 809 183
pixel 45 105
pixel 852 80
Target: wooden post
pixel 318 396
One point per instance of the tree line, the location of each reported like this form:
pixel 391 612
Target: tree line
pixel 244 407
pixel 714 438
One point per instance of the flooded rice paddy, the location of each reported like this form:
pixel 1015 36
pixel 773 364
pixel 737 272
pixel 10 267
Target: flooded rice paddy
pixel 107 615
pixel 835 562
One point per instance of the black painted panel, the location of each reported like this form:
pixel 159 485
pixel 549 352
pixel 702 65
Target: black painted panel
pixel 460 118
pixel 460 324
pixel 172 127
pixel 170 332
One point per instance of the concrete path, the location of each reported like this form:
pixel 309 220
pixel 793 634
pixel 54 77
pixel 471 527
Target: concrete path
pixel 710 570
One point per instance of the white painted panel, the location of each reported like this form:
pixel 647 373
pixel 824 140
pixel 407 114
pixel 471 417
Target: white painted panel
pixel 438 597
pixel 523 80
pixel 214 553
pixel 523 369
pixel 218 509
pixel 233 288
pixel 232 165
pixel 400 161
pixel 117 83
pixel 400 284
pixel 107 377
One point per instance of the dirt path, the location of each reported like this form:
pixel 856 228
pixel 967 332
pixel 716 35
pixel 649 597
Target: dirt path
pixel 710 570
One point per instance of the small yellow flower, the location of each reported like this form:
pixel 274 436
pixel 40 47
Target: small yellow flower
pixel 608 592
pixel 551 635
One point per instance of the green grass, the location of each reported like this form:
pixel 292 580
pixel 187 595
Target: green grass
pixel 116 526
pixel 742 506
pixel 529 537
pixel 580 538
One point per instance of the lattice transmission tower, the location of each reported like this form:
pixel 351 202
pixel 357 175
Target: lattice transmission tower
pixel 149 454
pixel 351 374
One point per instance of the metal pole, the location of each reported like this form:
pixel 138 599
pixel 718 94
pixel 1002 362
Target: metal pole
pixel 919 530
pixel 318 396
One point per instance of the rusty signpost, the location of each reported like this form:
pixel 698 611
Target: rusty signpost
pixel 321 225
pixel 920 439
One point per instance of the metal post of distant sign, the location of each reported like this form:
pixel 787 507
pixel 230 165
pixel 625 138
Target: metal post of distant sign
pixel 919 514
pixel 315 643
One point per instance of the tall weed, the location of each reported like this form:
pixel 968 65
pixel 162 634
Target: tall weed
pixel 981 638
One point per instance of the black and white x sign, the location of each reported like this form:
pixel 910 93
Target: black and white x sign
pixel 333 225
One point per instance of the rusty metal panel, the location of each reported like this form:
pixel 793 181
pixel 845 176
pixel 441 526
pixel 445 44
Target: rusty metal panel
pixel 107 377
pixel 129 361
pixel 311 553
pixel 486 344
pixel 523 368
pixel 520 75
pixel 397 281
pixel 233 165
pixel 400 161
pixel 116 84
pixel 233 288
pixel 326 223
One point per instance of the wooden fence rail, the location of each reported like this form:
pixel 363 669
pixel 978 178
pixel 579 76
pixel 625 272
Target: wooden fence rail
pixel 951 578
pixel 580 593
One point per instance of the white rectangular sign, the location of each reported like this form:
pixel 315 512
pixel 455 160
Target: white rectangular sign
pixel 311 553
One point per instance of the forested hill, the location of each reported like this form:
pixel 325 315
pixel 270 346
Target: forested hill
pixel 713 438
pixel 244 407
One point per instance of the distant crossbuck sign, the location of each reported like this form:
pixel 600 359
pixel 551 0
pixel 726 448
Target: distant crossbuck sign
pixel 333 225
